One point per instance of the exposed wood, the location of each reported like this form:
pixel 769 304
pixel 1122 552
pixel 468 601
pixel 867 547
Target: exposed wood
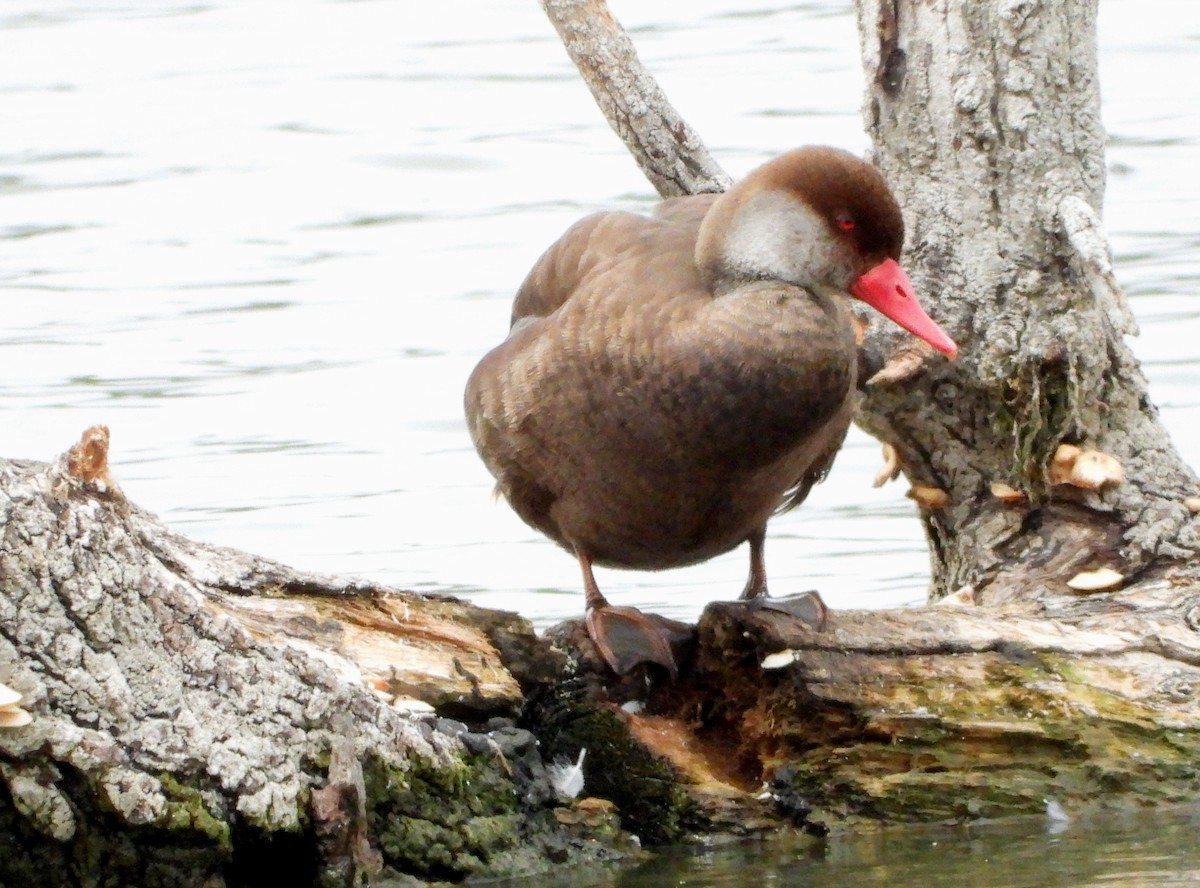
pixel 950 712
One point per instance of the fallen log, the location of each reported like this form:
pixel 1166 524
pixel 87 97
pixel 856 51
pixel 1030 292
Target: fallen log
pixel 203 716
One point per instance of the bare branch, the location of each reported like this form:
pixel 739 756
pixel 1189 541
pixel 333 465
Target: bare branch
pixel 668 151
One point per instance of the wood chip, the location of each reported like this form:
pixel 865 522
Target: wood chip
pixel 929 497
pixel 890 470
pixel 779 659
pixel 88 460
pixel 903 364
pixel 14 717
pixel 1006 494
pixel 1095 580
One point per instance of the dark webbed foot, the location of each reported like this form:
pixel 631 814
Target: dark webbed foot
pixel 626 637
pixel 806 606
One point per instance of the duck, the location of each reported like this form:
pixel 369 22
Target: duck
pixel 672 380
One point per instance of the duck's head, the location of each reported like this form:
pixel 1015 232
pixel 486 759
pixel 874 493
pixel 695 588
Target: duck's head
pixel 818 218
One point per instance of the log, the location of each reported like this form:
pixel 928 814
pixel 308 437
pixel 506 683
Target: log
pixel 204 716
pixel 953 712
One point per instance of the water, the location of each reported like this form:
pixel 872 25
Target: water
pixel 1113 850
pixel 265 243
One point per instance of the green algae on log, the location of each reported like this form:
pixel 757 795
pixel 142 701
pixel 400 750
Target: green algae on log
pixel 951 713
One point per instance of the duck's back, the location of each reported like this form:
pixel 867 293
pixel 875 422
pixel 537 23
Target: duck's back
pixel 662 243
pixel 633 415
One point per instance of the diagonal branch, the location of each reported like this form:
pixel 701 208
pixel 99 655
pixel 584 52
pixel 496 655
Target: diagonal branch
pixel 668 150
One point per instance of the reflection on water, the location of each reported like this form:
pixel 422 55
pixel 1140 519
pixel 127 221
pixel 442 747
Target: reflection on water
pixel 1130 850
pixel 266 242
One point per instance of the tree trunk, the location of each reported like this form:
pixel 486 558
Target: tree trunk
pixel 986 121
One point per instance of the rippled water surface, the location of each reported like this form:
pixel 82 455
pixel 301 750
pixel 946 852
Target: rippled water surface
pixel 1104 851
pixel 265 242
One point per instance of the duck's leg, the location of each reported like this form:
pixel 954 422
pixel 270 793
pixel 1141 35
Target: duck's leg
pixel 624 635
pixel 808 606
pixel 756 585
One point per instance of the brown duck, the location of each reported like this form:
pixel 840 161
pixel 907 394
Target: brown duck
pixel 670 382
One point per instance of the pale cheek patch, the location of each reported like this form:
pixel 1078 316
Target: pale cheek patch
pixel 776 235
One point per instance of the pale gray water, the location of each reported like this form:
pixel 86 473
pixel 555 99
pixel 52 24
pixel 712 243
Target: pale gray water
pixel 1109 850
pixel 266 241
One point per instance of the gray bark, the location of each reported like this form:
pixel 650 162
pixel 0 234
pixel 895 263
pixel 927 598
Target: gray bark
pixel 986 121
pixel 201 715
pixel 666 149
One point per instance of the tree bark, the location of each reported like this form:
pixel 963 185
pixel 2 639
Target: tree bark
pixel 666 149
pixel 986 121
pixel 203 716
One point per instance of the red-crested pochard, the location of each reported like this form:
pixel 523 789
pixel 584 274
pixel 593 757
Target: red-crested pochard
pixel 670 382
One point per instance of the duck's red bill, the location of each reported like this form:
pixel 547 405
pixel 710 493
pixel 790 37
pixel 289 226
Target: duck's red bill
pixel 886 289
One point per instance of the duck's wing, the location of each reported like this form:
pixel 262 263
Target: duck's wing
pixel 815 473
pixel 595 242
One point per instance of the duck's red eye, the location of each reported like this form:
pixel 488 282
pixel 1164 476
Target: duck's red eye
pixel 845 223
